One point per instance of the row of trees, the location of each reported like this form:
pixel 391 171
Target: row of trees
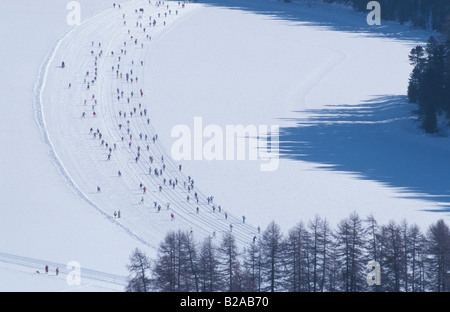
pixel 429 14
pixel 429 84
pixel 311 257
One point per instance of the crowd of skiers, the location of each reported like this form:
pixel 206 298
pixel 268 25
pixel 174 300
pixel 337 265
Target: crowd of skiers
pixel 136 138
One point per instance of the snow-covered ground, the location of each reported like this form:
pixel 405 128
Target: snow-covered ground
pixel 333 84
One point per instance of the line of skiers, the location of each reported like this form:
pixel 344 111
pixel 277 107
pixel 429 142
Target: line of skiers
pixel 138 110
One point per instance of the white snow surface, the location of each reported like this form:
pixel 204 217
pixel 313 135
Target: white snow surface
pixel 334 85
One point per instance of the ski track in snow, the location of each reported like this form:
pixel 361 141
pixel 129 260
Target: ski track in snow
pixel 85 274
pixel 71 148
pixel 40 120
pixel 39 114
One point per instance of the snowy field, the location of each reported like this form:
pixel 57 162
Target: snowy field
pixel 334 85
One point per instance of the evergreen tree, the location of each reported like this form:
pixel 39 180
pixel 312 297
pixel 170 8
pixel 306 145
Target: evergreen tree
pixel 252 268
pixel 372 244
pixel 175 268
pixel 326 256
pixel 417 59
pixel 439 261
pixel 316 251
pixel 209 267
pixel 416 250
pixel 429 83
pixel 164 270
pixel 271 252
pixel 404 10
pixel 350 245
pixel 191 249
pixel 228 255
pixel 431 86
pixel 296 264
pixel 446 78
pixel 139 267
pixel 391 257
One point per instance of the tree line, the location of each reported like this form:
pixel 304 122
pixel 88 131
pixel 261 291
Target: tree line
pixel 310 257
pixel 429 84
pixel 426 14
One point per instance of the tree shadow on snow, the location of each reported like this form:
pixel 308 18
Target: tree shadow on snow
pixel 330 17
pixel 378 140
